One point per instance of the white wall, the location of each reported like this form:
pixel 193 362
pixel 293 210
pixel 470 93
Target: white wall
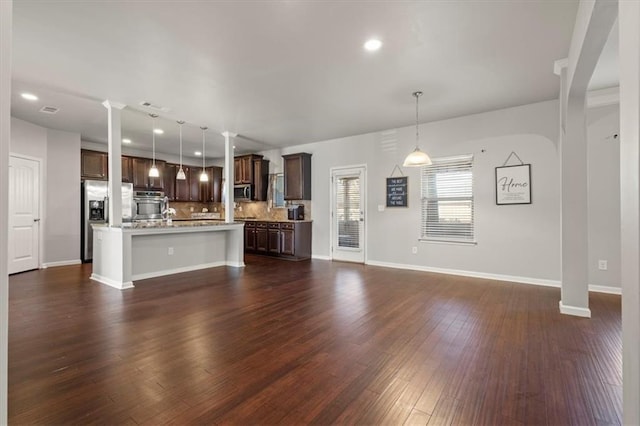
pixel 62 217
pixel 604 195
pixel 60 195
pixel 516 241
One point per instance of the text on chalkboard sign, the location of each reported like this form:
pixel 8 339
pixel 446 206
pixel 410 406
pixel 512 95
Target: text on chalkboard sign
pixel 397 191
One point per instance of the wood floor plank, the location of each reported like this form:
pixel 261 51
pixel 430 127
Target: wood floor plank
pixel 312 342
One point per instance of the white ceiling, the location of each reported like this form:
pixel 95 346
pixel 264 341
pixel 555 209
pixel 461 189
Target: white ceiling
pixel 280 72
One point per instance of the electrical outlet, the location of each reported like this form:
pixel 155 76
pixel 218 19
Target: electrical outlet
pixel 380 207
pixel 602 265
pixel 414 250
pixel 170 251
pixel 191 209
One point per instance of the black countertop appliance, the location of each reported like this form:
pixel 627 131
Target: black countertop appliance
pixel 296 212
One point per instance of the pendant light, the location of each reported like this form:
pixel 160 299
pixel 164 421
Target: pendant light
pixel 180 175
pixel 417 158
pixel 203 175
pixel 153 171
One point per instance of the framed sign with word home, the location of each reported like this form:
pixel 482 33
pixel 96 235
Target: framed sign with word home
pixel 513 184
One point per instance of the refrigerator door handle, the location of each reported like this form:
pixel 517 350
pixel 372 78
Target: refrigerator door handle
pixel 106 209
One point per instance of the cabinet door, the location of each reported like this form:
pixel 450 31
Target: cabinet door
pixel 127 171
pixel 249 237
pixel 183 186
pixel 260 179
pixel 297 176
pixel 212 190
pixel 94 165
pixel 140 168
pixel 194 185
pixel 170 171
pixel 262 237
pixel 274 238
pixel 287 242
pixel 237 171
pixel 247 169
pixel 157 184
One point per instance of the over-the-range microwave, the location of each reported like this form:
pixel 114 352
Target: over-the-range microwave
pixel 242 192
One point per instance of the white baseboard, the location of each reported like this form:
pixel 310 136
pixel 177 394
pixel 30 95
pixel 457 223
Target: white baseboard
pixel 178 270
pixel 112 283
pixel 320 257
pixel 605 289
pixel 574 310
pixel 61 263
pixel 236 264
pixel 497 277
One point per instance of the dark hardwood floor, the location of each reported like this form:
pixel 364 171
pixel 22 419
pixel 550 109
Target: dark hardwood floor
pixel 307 342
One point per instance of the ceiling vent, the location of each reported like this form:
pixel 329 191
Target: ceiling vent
pixel 49 109
pixel 154 107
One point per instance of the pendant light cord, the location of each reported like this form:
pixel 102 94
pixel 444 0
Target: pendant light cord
pixel 180 123
pixel 203 148
pixel 417 96
pixel 153 136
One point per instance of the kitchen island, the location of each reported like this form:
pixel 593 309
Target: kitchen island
pixel 136 251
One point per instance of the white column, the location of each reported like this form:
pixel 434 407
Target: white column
pixel 115 161
pixel 594 21
pixel 228 175
pixel 629 53
pixel 5 136
pixel 573 152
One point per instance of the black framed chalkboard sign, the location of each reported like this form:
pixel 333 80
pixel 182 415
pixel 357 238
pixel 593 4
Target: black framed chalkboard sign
pixel 397 190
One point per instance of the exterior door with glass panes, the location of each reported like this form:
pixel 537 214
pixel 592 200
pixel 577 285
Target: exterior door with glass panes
pixel 348 214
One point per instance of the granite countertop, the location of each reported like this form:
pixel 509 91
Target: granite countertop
pixel 241 219
pixel 176 224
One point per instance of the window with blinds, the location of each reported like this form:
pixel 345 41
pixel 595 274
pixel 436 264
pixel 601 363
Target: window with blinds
pixel 447 200
pixel 348 211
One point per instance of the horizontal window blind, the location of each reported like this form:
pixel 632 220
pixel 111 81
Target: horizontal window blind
pixel 447 199
pixel 348 211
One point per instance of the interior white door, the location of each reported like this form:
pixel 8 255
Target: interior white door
pixel 348 214
pixel 24 214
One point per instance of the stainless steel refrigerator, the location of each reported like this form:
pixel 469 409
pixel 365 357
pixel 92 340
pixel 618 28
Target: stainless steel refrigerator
pixel 95 209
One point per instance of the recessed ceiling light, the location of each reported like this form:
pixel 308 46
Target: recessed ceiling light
pixel 198 153
pixel 125 140
pixel 158 131
pixel 29 97
pixel 373 45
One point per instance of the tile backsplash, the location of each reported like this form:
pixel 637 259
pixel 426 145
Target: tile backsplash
pixel 256 209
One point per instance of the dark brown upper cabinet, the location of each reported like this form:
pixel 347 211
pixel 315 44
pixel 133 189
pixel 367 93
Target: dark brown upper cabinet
pixel 141 179
pixel 297 176
pixel 94 165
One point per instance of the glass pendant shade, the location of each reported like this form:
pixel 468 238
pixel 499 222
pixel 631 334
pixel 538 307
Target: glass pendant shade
pixel 204 177
pixel 180 175
pixel 153 171
pixel 417 158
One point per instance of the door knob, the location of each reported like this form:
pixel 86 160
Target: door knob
pixel 36 220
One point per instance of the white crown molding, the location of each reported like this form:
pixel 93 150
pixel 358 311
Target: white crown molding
pixel 111 104
pixel 603 97
pixel 559 64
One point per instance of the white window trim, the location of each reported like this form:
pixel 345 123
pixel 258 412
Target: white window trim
pixel 447 161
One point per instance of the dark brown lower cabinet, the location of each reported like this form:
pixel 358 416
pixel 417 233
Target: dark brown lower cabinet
pixel 262 237
pixel 288 240
pixel 274 238
pixel 250 237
